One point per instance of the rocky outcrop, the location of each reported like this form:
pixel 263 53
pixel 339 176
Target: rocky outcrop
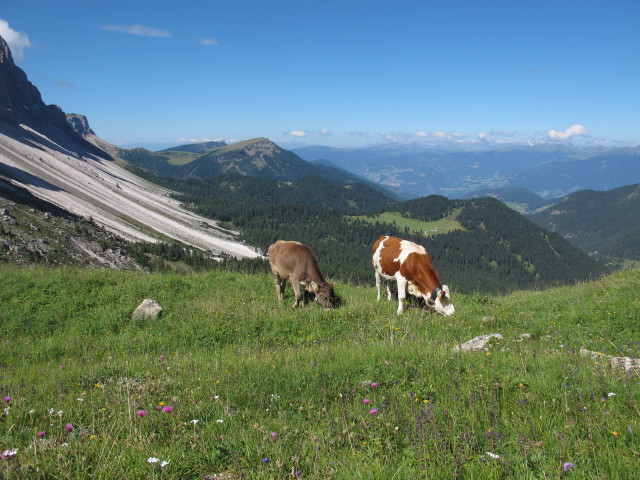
pixel 20 100
pixel 21 104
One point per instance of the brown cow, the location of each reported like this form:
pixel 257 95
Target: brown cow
pixel 298 263
pixel 410 266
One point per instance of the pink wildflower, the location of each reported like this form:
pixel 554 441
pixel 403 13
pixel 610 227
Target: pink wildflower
pixel 7 399
pixel 373 411
pixel 374 384
pixel 141 413
pixel 41 434
pixel 365 401
pixel 68 427
pixel 167 409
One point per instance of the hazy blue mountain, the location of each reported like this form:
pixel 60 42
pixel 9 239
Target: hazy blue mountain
pixel 549 170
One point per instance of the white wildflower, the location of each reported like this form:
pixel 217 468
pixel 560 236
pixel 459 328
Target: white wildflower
pixel 493 455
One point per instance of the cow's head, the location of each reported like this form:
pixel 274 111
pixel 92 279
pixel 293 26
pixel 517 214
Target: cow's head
pixel 443 303
pixel 326 297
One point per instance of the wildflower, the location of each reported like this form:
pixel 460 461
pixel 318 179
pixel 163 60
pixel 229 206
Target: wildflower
pixel 265 460
pixel 40 434
pixel 493 455
pixel 159 407
pixel 374 384
pixel 365 401
pixel 167 409
pixel 7 399
pixel 195 422
pixel 9 453
pixel 31 412
pixel 611 394
pixel 614 433
pixel 162 357
pixel 80 399
pixel 68 427
pixel 219 420
pixel 567 466
pixel 141 413
pixel 373 411
pixel 153 460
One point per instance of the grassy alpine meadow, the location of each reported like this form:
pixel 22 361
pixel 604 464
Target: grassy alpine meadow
pixel 229 383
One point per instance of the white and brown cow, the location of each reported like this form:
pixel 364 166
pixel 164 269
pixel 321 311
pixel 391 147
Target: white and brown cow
pixel 411 268
pixel 297 262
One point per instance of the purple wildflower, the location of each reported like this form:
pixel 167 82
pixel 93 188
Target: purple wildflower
pixel 167 409
pixel 141 413
pixel 7 399
pixel 9 453
pixel 374 384
pixel 40 434
pixel 567 466
pixel 373 411
pixel 265 460
pixel 68 427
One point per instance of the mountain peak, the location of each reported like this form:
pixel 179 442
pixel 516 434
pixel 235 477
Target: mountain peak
pixel 20 100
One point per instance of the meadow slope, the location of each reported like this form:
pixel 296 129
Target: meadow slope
pixel 229 383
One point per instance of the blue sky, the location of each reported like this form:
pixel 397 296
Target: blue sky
pixel 338 73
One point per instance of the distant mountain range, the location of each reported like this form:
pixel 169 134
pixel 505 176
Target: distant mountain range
pixel 258 158
pixel 550 170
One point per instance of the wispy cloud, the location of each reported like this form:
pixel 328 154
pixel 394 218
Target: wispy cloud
pixel 209 42
pixel 567 133
pixel 303 133
pixel 18 41
pixel 138 29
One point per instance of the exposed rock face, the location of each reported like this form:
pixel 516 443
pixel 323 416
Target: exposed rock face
pixel 21 103
pixel 20 100
pixel 80 125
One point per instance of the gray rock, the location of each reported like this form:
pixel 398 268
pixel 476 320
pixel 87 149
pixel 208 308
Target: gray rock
pixel 147 310
pixel 483 342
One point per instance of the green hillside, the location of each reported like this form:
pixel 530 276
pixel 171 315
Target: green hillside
pixel 605 224
pixel 492 250
pixel 230 383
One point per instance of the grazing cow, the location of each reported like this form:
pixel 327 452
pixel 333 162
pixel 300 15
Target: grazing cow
pixel 410 266
pixel 297 262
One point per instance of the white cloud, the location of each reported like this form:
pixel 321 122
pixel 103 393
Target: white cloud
pixel 209 42
pixel 303 133
pixel 296 133
pixel 143 30
pixel 567 133
pixel 18 41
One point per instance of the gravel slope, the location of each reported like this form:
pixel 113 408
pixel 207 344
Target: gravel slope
pixel 96 187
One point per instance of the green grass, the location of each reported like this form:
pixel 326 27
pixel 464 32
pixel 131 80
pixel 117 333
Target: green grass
pixel 265 381
pixel 180 158
pixel 443 225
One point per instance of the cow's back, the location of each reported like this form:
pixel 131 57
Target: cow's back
pixel 287 257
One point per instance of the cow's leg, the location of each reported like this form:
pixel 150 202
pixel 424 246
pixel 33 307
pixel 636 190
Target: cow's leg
pixel 295 284
pixel 280 283
pixel 402 293
pixel 378 283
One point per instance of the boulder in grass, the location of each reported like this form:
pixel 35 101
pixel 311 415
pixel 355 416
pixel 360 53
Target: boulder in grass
pixel 147 310
pixel 483 342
